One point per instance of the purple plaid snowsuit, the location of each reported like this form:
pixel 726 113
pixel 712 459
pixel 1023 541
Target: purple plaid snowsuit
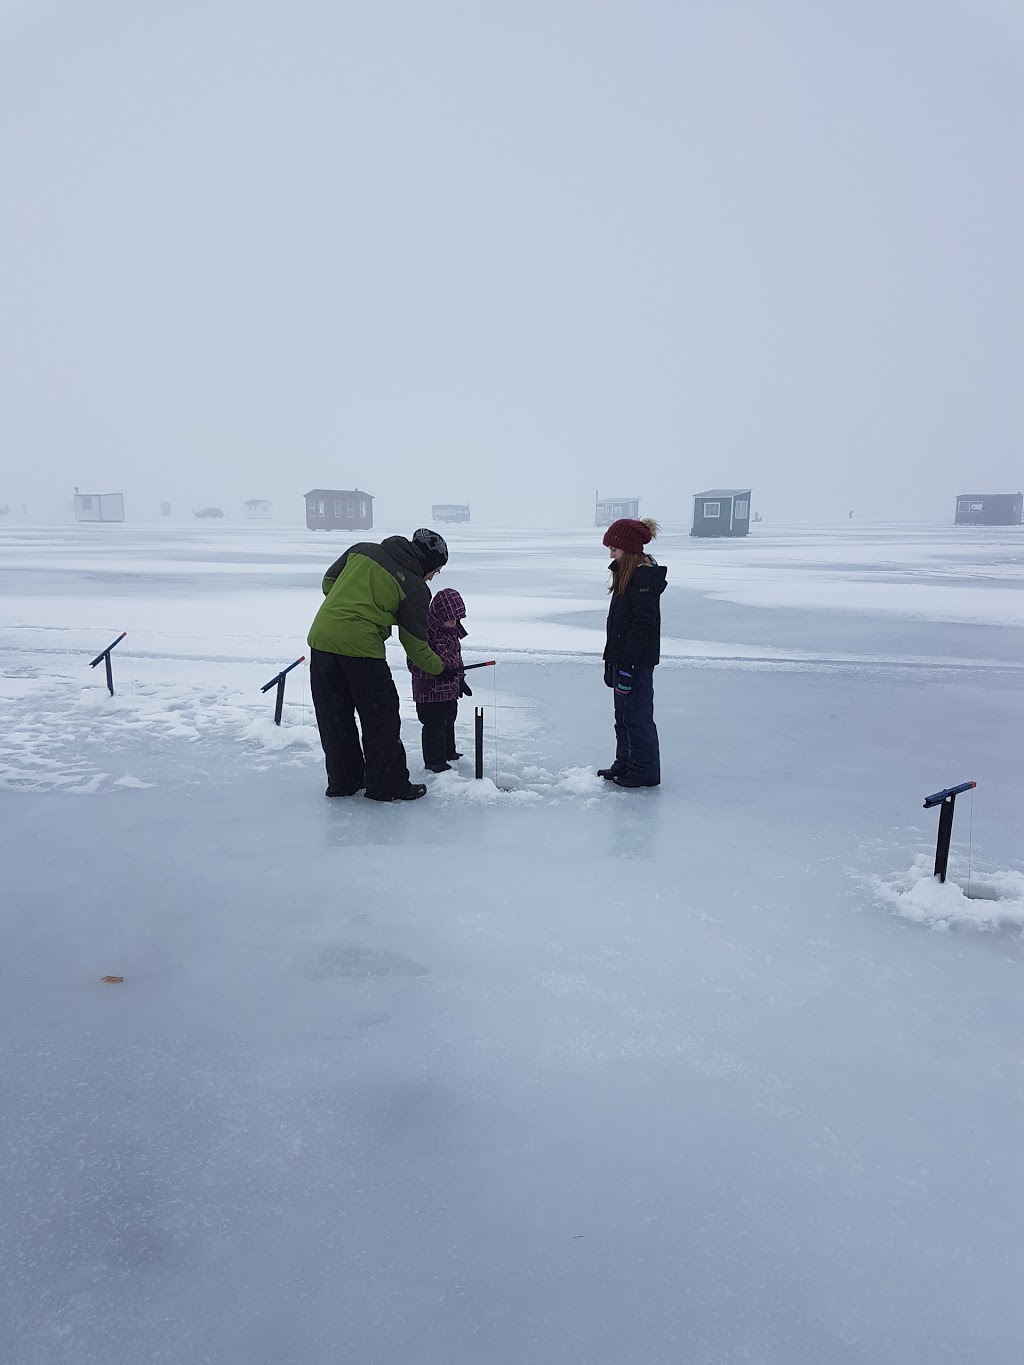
pixel 447 605
pixel 437 703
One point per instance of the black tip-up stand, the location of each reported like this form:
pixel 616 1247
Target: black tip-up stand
pixel 105 658
pixel 946 801
pixel 278 682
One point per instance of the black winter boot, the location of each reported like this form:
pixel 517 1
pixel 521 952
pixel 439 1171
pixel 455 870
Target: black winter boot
pixel 412 793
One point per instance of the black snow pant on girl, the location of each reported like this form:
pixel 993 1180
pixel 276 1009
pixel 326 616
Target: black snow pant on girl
pixel 438 721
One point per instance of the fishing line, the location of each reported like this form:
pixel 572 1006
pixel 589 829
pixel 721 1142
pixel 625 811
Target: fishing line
pixel 494 680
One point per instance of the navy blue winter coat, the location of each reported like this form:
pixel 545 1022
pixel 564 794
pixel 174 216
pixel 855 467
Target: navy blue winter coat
pixel 634 622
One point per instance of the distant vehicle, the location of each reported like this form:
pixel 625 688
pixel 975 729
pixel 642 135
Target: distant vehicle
pixel 450 511
pixel 209 512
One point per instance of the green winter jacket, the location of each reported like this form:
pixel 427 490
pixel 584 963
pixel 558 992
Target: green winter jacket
pixel 368 591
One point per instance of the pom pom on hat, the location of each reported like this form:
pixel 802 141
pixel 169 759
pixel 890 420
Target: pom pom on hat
pixel 629 535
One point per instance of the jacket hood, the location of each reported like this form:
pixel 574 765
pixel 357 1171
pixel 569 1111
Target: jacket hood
pixel 405 554
pixel 447 605
pixel 653 576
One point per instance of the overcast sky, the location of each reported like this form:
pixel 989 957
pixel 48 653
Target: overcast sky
pixel 510 253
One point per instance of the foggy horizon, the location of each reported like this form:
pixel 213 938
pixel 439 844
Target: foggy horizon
pixel 510 257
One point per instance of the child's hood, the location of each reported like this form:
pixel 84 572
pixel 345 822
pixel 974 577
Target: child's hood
pixel 447 605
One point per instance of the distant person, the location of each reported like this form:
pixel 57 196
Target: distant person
pixel 368 591
pixel 437 701
pixel 633 650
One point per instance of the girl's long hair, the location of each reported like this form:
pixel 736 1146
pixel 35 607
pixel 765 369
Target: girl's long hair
pixel 623 569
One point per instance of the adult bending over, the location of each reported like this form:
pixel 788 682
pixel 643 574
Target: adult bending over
pixel 368 591
pixel 633 650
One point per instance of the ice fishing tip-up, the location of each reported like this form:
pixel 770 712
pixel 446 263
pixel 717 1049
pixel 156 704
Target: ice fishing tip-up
pixel 478 725
pixel 104 657
pixel 278 682
pixel 946 801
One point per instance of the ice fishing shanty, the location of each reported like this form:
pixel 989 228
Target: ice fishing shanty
pixel 989 509
pixel 256 509
pixel 99 506
pixel 450 511
pixel 721 512
pixel 338 509
pixel 607 510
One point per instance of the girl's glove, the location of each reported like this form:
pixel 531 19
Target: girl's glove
pixel 448 675
pixel 467 691
pixel 624 683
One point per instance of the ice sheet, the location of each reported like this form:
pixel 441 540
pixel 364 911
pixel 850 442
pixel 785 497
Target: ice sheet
pixel 534 1069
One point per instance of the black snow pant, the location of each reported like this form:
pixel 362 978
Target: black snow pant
pixel 343 688
pixel 438 721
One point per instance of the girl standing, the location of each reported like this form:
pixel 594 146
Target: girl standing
pixel 633 650
pixel 437 701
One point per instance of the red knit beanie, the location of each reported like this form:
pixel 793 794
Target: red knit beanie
pixel 627 535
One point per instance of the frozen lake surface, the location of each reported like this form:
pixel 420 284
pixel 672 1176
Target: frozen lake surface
pixel 528 1072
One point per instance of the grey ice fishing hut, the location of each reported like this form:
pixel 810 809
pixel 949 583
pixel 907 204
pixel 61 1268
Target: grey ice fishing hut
pixel 989 509
pixel 721 512
pixel 338 509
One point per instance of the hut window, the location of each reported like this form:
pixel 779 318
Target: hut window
pixel 350 507
pixel 977 507
pixel 712 509
pixel 337 507
pixel 742 509
pixel 362 509
pixel 320 507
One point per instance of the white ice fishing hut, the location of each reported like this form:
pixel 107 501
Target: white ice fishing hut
pixel 99 506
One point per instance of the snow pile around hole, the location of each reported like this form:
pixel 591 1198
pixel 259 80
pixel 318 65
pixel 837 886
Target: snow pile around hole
pixel 450 787
pixel 276 737
pixel 996 899
pixel 579 784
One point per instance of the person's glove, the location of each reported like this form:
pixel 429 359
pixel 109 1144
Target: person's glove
pixel 624 683
pixel 448 675
pixel 467 691
pixel 609 674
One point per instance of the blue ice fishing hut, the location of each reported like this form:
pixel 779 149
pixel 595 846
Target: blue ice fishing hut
pixel 721 512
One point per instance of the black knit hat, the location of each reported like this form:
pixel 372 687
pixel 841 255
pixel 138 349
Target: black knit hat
pixel 432 547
